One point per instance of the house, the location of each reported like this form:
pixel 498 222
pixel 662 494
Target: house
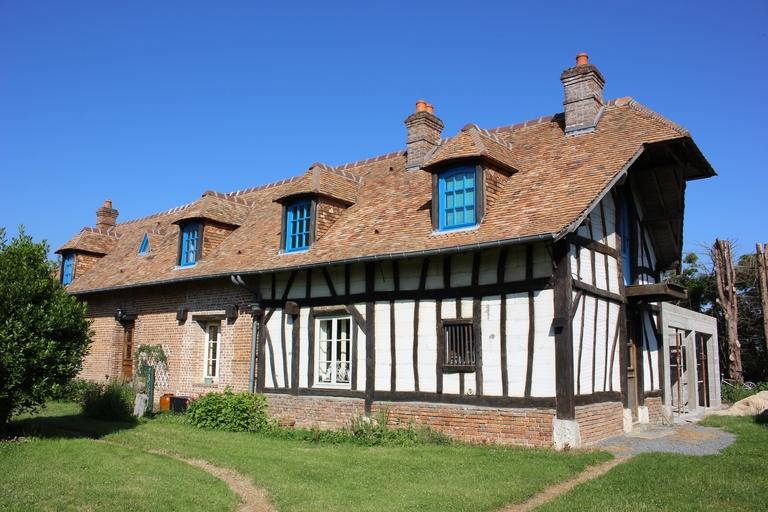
pixel 500 285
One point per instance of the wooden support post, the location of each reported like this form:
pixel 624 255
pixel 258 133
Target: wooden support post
pixel 370 337
pixel 566 408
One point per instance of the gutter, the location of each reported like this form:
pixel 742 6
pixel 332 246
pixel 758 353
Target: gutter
pixel 360 259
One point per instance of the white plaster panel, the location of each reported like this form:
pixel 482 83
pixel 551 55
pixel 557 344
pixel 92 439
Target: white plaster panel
pixel 383 354
pixel 384 277
pixel 427 346
pixel 517 342
pixel 515 267
pixel 543 378
pixel 489 262
pixel 542 261
pixel 404 345
pixel 490 309
pixel 461 269
pixel 410 272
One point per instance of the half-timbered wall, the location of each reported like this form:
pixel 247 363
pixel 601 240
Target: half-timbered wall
pixel 597 302
pixel 505 294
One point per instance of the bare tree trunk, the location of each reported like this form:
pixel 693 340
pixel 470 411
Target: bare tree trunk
pixel 728 302
pixel 762 273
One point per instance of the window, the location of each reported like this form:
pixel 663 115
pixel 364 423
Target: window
pixel 457 198
pixel 212 352
pixel 67 268
pixel 189 252
pixel 297 226
pixel 144 247
pixel 459 346
pixel 334 364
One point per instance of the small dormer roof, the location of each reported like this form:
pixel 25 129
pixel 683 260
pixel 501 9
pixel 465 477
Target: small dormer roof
pixel 92 240
pixel 322 180
pixel 473 142
pixel 217 207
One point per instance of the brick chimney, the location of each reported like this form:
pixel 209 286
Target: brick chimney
pixel 424 130
pixel 106 216
pixel 583 85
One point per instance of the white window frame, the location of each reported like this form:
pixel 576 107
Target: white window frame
pixel 206 349
pixel 334 355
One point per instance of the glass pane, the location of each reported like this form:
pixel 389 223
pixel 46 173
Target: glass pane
pixel 325 329
pixel 469 180
pixel 449 218
pixel 324 372
pixel 449 184
pixel 469 216
pixel 459 218
pixel 459 201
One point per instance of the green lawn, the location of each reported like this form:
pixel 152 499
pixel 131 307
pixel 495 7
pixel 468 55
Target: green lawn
pixel 302 476
pixel 737 479
pixel 79 474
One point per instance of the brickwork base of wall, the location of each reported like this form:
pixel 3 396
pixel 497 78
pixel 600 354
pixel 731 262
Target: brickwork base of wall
pixel 655 409
pixel 600 421
pixel 470 424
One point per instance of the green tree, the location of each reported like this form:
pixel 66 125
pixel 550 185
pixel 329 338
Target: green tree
pixel 44 334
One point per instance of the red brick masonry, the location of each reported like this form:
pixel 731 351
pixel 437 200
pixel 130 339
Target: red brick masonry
pixel 519 426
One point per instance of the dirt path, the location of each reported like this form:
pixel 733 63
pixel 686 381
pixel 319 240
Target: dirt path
pixel 254 498
pixel 553 492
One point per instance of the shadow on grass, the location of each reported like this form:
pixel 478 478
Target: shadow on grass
pixel 67 426
pixel 762 418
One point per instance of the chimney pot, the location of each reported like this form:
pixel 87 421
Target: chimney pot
pixel 430 108
pixel 421 106
pixel 582 59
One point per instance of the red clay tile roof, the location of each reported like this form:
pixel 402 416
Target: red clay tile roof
pixel 217 207
pixel 93 240
pixel 325 181
pixel 472 142
pixel 558 180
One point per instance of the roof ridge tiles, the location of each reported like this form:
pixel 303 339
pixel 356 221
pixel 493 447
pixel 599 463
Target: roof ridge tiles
pixel 652 114
pixel 105 232
pixel 370 160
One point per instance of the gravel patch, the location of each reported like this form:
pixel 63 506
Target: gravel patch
pixel 682 439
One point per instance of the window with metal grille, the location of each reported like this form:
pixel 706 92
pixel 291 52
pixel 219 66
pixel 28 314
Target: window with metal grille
pixel 457 198
pixel 67 268
pixel 297 226
pixel 189 251
pixel 459 346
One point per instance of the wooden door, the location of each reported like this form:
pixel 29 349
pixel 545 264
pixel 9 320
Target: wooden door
pixel 702 370
pixel 127 350
pixel 678 365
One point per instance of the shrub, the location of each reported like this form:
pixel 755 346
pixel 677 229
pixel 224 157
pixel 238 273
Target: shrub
pixel 233 412
pixel 113 401
pixel 732 394
pixel 74 390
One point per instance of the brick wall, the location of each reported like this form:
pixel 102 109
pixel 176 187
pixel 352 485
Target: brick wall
pixel 84 262
pixel 183 342
pixel 654 409
pixel 527 427
pixel 599 421
pixel 213 234
pixel 328 212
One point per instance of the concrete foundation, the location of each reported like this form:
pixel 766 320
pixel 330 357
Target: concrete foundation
pixel 643 415
pixel 565 434
pixel 627 418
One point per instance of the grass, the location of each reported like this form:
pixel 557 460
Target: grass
pixel 300 475
pixel 79 474
pixel 737 479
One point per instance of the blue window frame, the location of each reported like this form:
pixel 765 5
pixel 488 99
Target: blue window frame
pixel 626 243
pixel 297 226
pixel 144 247
pixel 457 200
pixel 67 268
pixel 190 244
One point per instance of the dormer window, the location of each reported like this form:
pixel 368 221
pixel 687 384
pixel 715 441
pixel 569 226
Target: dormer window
pixel 457 198
pixel 144 247
pixel 298 219
pixel 67 268
pixel 190 243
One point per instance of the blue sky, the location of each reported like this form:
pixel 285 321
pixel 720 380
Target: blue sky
pixel 151 103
